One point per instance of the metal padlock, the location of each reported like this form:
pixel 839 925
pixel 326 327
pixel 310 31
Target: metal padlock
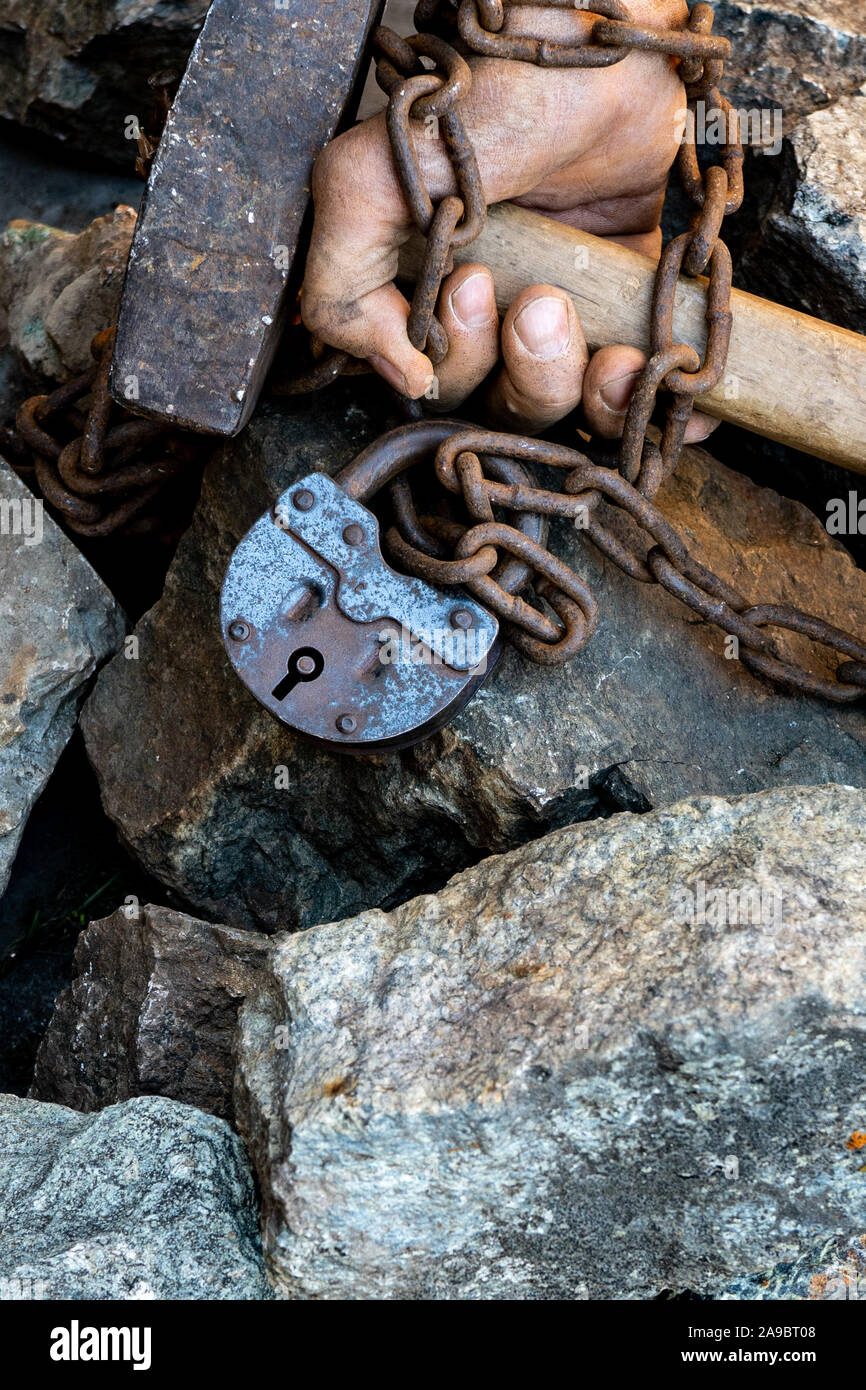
pixel 333 641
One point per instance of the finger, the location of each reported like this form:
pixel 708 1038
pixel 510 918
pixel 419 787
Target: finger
pixel 608 386
pixel 376 330
pixel 545 357
pixel 467 312
pixel 349 299
pixel 700 427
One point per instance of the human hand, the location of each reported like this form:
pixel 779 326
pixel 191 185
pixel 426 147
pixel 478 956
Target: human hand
pixel 589 147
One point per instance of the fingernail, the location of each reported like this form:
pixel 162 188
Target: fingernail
pixel 699 428
pixel 543 327
pixel 616 394
pixel 471 302
pixel 392 374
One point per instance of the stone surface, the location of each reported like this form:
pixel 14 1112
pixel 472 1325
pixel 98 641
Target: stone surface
pixel 147 1200
pixel 793 56
pixel 59 290
pixel 811 248
pixel 547 1082
pixel 649 712
pixel 76 69
pixel 59 624
pixel 834 1271
pixel 167 1031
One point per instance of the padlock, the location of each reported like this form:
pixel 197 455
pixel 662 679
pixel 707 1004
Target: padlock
pixel 333 641
pixel 328 637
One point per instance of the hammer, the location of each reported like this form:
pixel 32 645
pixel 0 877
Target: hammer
pixel 217 249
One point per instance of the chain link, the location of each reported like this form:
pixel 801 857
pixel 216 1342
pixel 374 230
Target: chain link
pixel 655 553
pixel 102 470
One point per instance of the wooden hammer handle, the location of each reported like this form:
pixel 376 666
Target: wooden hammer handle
pixel 789 377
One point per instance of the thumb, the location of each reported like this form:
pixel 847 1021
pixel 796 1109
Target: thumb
pixel 373 327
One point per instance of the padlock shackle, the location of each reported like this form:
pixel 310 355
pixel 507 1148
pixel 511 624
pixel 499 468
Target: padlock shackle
pixel 390 455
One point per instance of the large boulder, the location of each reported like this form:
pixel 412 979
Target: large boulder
pixel 623 1060
pixel 146 1200
pixel 76 69
pixel 252 827
pixel 168 1030
pixel 59 624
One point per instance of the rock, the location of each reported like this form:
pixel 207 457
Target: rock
pixel 146 1200
pixel 792 57
pixel 59 624
pixel 811 250
pixel 648 713
pixel 833 1271
pixel 168 1031
pixel 76 69
pixel 545 1081
pixel 59 290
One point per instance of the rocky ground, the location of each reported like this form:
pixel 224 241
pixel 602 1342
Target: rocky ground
pixel 565 1002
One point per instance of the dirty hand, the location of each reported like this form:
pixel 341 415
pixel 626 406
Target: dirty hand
pixel 590 147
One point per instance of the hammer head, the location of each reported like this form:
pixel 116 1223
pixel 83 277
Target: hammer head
pixel 209 279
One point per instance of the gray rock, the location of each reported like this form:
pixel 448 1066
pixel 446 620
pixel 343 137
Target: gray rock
pixel 547 1082
pixel 796 57
pixel 75 69
pixel 59 290
pixel 167 1031
pixel 649 712
pixel 811 249
pixel 59 624
pixel 147 1200
pixel 834 1271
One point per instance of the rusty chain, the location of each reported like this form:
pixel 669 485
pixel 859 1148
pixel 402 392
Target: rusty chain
pixel 448 553
pixel 653 552
pixel 99 468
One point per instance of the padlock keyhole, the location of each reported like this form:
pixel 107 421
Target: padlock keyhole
pixel 305 664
